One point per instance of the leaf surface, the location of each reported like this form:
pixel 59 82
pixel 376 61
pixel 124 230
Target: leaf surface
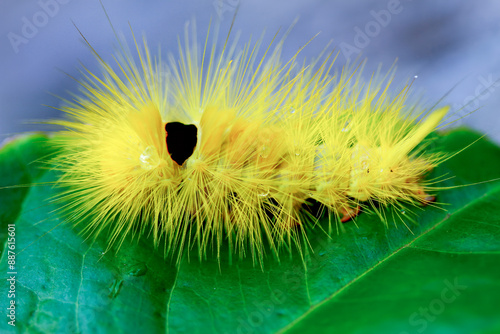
pixel 439 274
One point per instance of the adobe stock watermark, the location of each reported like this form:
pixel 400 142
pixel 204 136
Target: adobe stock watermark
pixel 222 6
pixel 86 315
pixel 483 91
pixel 363 36
pixel 30 26
pixel 426 314
pixel 292 282
pixel 263 310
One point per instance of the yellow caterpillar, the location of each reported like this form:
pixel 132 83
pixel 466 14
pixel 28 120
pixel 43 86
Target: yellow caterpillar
pixel 212 149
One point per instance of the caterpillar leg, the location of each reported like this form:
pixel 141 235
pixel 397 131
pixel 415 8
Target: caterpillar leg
pixel 425 198
pixel 349 213
pixel 418 191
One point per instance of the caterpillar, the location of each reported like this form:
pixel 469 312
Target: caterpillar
pixel 213 149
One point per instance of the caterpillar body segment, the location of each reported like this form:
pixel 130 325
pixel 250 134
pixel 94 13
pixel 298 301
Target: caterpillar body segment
pixel 232 149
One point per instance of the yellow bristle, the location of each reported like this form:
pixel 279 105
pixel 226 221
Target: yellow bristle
pixel 271 138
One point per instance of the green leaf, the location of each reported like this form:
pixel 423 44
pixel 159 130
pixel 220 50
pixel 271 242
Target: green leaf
pixel 441 277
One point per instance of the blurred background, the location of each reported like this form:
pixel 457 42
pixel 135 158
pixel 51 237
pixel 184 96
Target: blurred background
pixel 452 46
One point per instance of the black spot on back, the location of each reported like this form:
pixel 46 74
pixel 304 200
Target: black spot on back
pixel 181 141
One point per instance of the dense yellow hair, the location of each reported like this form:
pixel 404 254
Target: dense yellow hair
pixel 270 138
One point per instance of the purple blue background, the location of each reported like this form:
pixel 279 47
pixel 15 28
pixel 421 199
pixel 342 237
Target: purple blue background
pixel 450 45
